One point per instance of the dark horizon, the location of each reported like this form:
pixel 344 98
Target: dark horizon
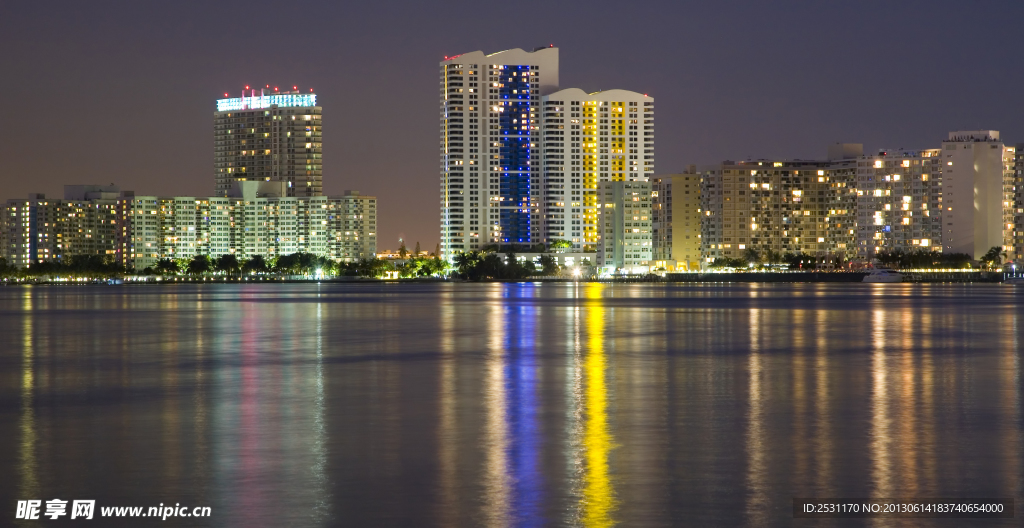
pixel 123 93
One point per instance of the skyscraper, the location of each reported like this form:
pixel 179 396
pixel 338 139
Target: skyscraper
pixel 590 138
pixel 272 135
pixel 490 147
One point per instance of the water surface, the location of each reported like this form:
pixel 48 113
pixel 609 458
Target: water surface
pixel 509 404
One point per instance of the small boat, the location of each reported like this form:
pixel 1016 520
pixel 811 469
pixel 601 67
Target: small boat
pixel 882 275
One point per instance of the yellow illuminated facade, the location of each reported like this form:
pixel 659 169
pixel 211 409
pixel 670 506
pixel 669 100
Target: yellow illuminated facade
pixel 598 501
pixel 589 139
pixel 676 215
pixel 778 207
pixel 899 202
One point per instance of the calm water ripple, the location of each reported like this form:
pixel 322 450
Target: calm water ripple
pixel 509 404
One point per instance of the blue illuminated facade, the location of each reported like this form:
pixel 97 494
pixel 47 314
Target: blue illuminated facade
pixel 514 126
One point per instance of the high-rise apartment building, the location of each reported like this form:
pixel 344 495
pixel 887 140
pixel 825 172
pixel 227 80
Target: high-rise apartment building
pixel 676 215
pixel 899 202
pixel 625 220
pixel 490 146
pixel 1010 204
pixel 272 136
pixel 789 206
pixel 972 187
pixel 589 139
pixel 1018 205
pixel 512 176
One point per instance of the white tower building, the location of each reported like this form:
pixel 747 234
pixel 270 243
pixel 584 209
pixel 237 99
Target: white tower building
pixel 588 139
pixel 972 189
pixel 490 147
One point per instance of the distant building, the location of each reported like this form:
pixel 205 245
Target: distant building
pixel 269 136
pixel 676 220
pixel 1011 203
pixel 343 228
pixel 625 221
pixel 138 231
pixel 899 202
pixel 354 218
pixel 85 222
pixel 1018 205
pixel 973 192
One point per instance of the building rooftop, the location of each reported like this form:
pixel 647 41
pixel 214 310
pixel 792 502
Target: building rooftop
pixel 256 98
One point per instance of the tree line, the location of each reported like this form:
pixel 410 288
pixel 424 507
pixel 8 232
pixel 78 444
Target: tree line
pixel 773 259
pixel 84 266
pixel 918 259
pixel 479 265
pixel 229 265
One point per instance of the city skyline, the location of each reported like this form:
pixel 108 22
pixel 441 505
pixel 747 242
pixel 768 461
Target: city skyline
pixel 763 92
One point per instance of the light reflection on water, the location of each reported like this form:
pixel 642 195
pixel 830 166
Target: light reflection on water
pixel 509 404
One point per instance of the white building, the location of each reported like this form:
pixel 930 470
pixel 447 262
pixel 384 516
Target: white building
pixel 588 139
pixel 973 194
pixel 342 228
pixel 625 219
pixel 490 146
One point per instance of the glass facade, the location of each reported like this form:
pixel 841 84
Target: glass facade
pixel 515 153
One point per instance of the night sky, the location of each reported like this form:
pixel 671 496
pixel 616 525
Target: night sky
pixel 123 92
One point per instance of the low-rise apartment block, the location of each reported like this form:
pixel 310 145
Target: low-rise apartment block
pixel 625 220
pixel 676 220
pixel 138 231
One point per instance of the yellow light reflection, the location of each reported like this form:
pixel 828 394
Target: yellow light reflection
pixel 881 437
pixel 27 464
pixel 598 502
pixel 757 506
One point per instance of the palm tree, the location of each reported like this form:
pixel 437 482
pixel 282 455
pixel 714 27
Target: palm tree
pixel 256 264
pixel 752 256
pixel 993 257
pixel 167 266
pixel 199 264
pixel 228 263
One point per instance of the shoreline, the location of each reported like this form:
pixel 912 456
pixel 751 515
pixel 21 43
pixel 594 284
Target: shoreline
pixel 937 277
